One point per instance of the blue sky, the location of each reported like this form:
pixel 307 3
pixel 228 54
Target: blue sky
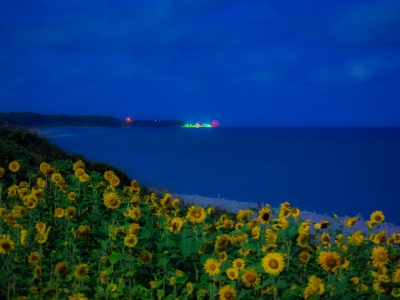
pixel 253 62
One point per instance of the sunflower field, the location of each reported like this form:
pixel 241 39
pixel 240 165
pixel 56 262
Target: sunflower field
pixel 71 233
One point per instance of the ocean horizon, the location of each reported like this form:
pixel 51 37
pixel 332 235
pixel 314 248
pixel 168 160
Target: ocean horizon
pixel 341 170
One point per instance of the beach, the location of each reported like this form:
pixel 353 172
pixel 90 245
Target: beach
pixel 337 224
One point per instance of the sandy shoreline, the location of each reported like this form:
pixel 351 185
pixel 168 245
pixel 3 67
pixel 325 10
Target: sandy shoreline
pixel 235 206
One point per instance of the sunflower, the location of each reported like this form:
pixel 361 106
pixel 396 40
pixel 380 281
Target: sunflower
pixel 34 290
pixel 57 178
pixel 395 293
pixel 59 213
pixel 196 214
pixel 130 240
pixel 79 172
pixel 2 171
pixel 250 278
pixel 24 237
pixel 134 228
pixel 314 287
pixel 19 211
pixel 103 259
pixel 379 256
pixel 244 214
pixel 146 257
pixel 135 213
pixel 244 253
pixel 37 272
pixel 189 288
pixel 175 224
pixel 108 175
pixel 22 192
pixel 273 263
pixel 304 257
pixel 44 167
pixel 212 266
pixel 84 177
pixel 112 287
pixel 239 225
pixel 264 215
pixel 325 224
pixel 41 183
pixel 172 280
pixel 153 285
pixel 166 200
pixel 103 277
pixel 350 221
pixel 12 190
pixel 41 236
pixel 77 296
pixel 78 165
pixel 377 217
pixel 61 268
pixel 135 186
pixel 114 181
pixel 14 166
pixel 222 256
pixel 302 240
pixel 81 271
pixel 329 261
pixel 83 231
pixel 38 193
pixel 40 226
pixel 175 203
pixel 239 264
pixel 135 199
pixel 232 273
pixel 71 196
pixel 396 276
pixel 227 293
pixel 269 248
pixel 379 284
pixel 7 245
pixel 112 200
pixel 34 258
pixel 70 212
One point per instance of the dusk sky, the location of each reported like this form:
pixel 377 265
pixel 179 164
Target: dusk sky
pixel 241 62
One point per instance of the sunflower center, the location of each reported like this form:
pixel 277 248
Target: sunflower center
pixel 113 201
pixel 213 267
pixel 273 263
pixel 382 257
pixel 232 274
pixel 239 264
pixel 265 216
pixel 377 218
pixel 5 245
pixel 250 277
pixel 228 294
pixel 331 262
pixel 197 214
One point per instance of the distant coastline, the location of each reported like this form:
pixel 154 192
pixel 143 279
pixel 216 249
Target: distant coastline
pixel 34 120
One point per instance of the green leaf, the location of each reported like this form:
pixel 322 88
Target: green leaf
pixel 281 284
pixel 115 257
pixel 244 293
pixel 160 294
pixel 190 246
pixel 100 234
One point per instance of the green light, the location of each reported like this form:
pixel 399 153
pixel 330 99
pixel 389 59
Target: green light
pixel 197 125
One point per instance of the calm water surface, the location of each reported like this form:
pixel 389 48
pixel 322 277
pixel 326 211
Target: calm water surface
pixel 341 170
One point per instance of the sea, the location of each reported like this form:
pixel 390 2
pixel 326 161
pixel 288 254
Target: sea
pixel 346 171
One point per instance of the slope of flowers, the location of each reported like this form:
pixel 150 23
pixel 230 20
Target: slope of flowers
pixel 69 233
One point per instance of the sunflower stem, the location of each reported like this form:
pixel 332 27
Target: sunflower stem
pixel 288 255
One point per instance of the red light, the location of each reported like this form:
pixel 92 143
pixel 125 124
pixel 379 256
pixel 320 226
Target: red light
pixel 128 119
pixel 214 123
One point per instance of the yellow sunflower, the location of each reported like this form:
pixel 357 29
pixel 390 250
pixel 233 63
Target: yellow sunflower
pixel 350 221
pixel 377 217
pixel 84 177
pixel 273 263
pixel 44 167
pixel 57 178
pixel 153 285
pixel 19 211
pixel 114 181
pixel 212 266
pixel 7 245
pixel 396 276
pixel 40 226
pixel 78 165
pixel 61 268
pixel 379 284
pixel 112 200
pixel 315 287
pixel 227 293
pixel 379 256
pixel 189 287
pixel 2 171
pixel 41 183
pixel 232 273
pixel 146 257
pixel 37 272
pixel 103 277
pixel 250 278
pixel 304 257
pixel 130 240
pixel 264 215
pixel 79 172
pixel 135 186
pixel 196 214
pixel 239 264
pixel 34 258
pixel 135 213
pixel 77 296
pixel 222 256
pixel 112 287
pixel 14 166
pixel 108 175
pixel 175 224
pixel 24 237
pixel 269 248
pixel 12 190
pixel 302 240
pixel 134 228
pixel 59 212
pixel 83 231
pixel 244 214
pixel 70 212
pixel 166 200
pixel 81 271
pixel 329 261
pixel 71 196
